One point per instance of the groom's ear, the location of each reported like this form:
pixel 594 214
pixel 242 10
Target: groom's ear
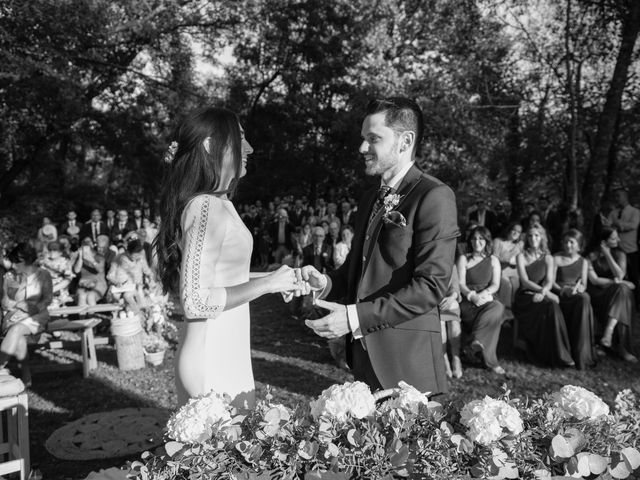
pixel 406 140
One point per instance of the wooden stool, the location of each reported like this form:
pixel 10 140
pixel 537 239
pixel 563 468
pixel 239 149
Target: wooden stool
pixel 14 435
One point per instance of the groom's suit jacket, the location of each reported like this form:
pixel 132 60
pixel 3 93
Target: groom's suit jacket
pixel 397 276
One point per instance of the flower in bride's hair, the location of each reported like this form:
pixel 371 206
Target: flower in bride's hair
pixel 170 154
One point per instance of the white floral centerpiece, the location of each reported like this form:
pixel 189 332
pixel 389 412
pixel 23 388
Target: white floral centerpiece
pixel 489 420
pixel 339 402
pixel 195 422
pixel 579 403
pixel 344 434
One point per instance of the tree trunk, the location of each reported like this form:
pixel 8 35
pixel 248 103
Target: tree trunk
pixel 512 142
pixel 595 178
pixel 572 166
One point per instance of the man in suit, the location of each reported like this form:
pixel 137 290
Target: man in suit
pixel 93 228
pixel 347 215
pixel 280 232
pixel 484 217
pixel 122 227
pixel 318 253
pixel 297 213
pixel 400 262
pixel 71 227
pixel 111 221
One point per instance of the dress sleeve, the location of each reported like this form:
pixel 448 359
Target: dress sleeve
pixel 203 227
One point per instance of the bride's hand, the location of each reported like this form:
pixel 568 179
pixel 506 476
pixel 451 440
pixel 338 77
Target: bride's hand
pixel 283 280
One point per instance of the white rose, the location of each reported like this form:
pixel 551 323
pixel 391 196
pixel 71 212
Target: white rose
pixel 341 401
pixel 409 399
pixel 578 402
pixel 194 421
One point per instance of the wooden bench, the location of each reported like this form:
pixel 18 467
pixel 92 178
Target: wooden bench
pixel 84 327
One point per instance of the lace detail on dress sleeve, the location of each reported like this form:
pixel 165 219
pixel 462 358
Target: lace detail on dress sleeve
pixel 199 301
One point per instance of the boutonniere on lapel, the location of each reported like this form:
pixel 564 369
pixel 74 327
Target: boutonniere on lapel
pixel 390 215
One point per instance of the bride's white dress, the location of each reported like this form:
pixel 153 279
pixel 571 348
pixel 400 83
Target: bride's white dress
pixel 214 351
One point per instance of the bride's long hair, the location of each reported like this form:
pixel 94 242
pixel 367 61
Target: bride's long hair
pixel 192 171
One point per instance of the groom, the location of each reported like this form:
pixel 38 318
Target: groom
pixel 400 262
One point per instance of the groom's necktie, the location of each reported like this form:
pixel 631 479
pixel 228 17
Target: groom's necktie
pixel 382 192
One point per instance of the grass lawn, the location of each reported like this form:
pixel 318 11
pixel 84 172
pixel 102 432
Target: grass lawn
pixel 293 361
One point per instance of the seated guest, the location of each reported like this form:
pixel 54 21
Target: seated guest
pixel 570 273
pixel 91 267
pixel 479 276
pixel 281 235
pixel 343 247
pixel 128 273
pixel 537 310
pixel 318 253
pixel 483 216
pixel 71 227
pixel 27 292
pixel 611 294
pixel 94 227
pixel 463 240
pixel 449 309
pixel 48 232
pixel 506 249
pixel 58 266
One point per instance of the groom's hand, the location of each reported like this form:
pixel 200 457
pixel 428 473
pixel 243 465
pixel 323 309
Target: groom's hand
pixel 334 325
pixel 315 279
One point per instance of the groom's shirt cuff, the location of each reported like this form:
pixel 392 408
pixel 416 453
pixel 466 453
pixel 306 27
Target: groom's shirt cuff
pixel 354 321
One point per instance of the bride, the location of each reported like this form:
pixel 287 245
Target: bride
pixel 204 252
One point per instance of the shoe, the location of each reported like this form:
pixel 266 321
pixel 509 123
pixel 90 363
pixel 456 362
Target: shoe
pixel 629 357
pixel 447 367
pixel 498 370
pixel 605 342
pixel 476 347
pixel 456 367
pixel 600 352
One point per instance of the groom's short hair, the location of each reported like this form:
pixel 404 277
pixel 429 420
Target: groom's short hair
pixel 401 114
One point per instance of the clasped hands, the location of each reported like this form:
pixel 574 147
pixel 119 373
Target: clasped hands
pixel 308 280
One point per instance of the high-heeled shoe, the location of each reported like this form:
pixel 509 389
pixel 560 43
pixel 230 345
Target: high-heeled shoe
pixel 498 370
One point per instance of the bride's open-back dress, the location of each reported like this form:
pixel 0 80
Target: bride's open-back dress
pixel 214 351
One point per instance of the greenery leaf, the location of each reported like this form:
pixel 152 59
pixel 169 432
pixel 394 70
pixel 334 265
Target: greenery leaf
pixel 618 468
pixel 561 450
pixel 631 457
pixel 597 464
pixel 173 447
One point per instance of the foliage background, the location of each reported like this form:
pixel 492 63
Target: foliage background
pixel 521 97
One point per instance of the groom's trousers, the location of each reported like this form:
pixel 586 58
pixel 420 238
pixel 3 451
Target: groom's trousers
pixel 361 365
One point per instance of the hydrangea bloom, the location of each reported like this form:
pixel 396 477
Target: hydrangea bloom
pixel 489 419
pixel 194 421
pixel 351 399
pixel 409 399
pixel 578 402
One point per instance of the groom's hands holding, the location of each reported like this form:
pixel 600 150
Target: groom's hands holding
pixel 316 280
pixel 334 325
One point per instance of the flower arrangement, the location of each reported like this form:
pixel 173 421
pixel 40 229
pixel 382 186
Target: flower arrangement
pixel 390 215
pixel 158 331
pixel 343 435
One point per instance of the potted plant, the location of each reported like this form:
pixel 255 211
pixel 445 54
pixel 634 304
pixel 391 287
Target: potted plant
pixel 154 347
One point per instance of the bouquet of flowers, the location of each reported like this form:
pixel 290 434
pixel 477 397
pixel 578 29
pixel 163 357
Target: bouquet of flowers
pixel 347 433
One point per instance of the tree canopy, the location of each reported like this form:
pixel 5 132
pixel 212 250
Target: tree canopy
pixel 521 97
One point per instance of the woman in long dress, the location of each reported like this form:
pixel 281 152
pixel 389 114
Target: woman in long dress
pixel 612 295
pixel 481 315
pixel 571 270
pixel 536 308
pixel 204 252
